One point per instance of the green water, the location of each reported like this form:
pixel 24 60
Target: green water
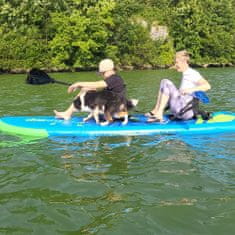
pixel 116 185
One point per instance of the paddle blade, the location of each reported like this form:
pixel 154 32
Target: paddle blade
pixel 38 77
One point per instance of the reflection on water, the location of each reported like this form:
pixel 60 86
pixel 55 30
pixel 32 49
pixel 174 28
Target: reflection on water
pixel 109 184
pixel 159 184
pixel 215 146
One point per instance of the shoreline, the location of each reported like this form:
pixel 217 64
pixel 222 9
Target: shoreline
pixel 121 68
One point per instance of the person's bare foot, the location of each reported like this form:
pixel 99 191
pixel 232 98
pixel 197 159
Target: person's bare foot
pixel 149 114
pixel 155 119
pixel 62 115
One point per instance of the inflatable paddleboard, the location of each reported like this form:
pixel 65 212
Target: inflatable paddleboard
pixel 49 126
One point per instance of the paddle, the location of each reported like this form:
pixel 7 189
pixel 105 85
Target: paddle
pixel 39 77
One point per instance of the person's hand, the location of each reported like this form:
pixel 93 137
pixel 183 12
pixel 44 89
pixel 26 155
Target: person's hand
pixel 73 87
pixel 186 91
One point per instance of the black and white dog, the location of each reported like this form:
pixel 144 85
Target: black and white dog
pixel 104 102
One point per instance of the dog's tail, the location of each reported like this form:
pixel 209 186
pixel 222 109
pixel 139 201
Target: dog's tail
pixel 132 103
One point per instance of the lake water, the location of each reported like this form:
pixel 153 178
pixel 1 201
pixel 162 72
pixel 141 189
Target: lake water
pixel 116 185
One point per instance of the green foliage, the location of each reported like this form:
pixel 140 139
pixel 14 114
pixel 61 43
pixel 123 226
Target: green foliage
pixel 71 34
pixel 205 28
pixel 12 55
pixel 164 53
pixel 80 38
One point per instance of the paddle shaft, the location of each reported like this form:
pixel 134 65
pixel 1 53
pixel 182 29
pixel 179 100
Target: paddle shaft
pixel 62 83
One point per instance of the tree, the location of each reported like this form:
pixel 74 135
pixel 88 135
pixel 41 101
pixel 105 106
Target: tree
pixel 205 28
pixel 80 38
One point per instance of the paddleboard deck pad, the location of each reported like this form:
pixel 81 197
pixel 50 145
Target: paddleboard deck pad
pixel 48 126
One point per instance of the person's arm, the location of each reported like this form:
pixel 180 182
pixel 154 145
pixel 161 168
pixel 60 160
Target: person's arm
pixel 202 85
pixel 87 85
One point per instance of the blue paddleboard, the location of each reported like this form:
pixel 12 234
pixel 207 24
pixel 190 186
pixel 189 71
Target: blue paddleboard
pixel 47 126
